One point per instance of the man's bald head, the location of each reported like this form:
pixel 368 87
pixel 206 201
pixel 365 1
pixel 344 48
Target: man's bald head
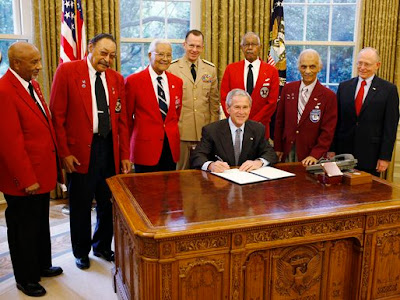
pixel 25 60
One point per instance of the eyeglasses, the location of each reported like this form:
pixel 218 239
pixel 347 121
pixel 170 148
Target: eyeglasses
pixel 105 54
pixel 363 64
pixel 250 45
pixel 162 55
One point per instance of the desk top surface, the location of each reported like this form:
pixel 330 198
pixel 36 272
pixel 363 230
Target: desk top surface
pixel 174 201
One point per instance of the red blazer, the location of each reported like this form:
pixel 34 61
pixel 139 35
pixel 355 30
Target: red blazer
pixel 71 106
pixel 27 148
pixel 146 126
pixel 264 95
pixel 311 138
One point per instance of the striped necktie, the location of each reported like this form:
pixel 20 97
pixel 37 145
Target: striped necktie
pixel 302 103
pixel 162 102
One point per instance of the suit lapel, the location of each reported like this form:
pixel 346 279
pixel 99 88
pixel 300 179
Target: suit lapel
pixel 83 83
pixel 185 70
pixel 112 92
pixel 226 143
pixel 313 101
pixel 247 143
pixel 371 94
pixel 26 97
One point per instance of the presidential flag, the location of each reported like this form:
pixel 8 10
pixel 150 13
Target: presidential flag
pixel 277 51
pixel 73 34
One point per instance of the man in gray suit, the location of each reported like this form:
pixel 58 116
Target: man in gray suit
pixel 235 141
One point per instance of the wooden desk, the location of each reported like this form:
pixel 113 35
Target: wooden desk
pixel 192 235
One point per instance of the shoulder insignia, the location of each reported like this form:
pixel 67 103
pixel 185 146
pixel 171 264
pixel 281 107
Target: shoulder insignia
pixel 174 61
pixel 208 62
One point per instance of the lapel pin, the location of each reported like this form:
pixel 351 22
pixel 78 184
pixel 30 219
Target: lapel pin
pixel 83 83
pixel 251 138
pixel 113 91
pixel 173 86
pixel 374 88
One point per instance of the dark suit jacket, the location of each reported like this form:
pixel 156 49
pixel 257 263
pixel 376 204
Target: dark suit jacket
pixel 264 104
pixel 372 134
pixel 311 138
pixel 28 147
pixel 217 140
pixel 147 129
pixel 71 107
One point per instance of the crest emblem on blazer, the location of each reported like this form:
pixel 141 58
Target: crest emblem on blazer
pixel 264 91
pixel 315 115
pixel 118 106
pixel 177 102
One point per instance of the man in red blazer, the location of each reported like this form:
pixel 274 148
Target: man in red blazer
pixel 28 167
pixel 154 102
pixel 306 116
pixel 258 78
pixel 88 106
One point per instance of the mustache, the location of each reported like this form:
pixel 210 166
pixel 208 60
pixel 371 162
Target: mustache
pixel 104 62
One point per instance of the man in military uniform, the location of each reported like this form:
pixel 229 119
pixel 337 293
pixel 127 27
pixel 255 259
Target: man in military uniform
pixel 200 103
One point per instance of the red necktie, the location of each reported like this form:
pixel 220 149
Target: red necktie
pixel 359 97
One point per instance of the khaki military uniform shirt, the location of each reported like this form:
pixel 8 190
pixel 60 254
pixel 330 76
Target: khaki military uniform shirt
pixel 200 101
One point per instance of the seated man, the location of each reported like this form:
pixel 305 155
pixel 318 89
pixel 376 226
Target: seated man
pixel 235 141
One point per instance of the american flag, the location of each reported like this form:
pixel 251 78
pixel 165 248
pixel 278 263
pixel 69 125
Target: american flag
pixel 277 52
pixel 73 34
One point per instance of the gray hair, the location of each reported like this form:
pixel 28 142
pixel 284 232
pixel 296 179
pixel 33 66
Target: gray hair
pixel 305 51
pixel 378 57
pixel 249 34
pixel 234 93
pixel 155 42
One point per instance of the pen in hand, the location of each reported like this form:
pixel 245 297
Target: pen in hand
pixel 218 158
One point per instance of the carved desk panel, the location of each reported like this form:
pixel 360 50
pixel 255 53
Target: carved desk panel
pixel 190 235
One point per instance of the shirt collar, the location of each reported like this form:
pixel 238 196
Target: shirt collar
pixel 24 83
pixel 92 71
pixel 310 87
pixel 255 63
pixel 189 63
pixel 368 80
pixel 233 126
pixel 154 75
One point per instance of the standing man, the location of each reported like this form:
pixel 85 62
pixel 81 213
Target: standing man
pixel 306 115
pixel 235 141
pixel 255 76
pixel 154 102
pixel 89 116
pixel 368 115
pixel 28 167
pixel 200 102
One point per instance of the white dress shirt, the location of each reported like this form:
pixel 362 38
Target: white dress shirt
pixel 256 69
pixel 164 82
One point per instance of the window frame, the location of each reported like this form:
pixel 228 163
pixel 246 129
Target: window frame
pixel 329 43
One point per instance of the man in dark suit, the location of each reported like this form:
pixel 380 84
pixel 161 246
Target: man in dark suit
pixel 235 141
pixel 255 76
pixel 28 167
pixel 306 115
pixel 368 115
pixel 89 116
pixel 154 103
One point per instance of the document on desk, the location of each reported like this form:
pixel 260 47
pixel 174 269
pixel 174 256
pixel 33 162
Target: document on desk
pixel 262 174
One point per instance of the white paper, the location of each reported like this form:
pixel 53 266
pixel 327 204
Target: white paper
pixel 240 177
pixel 272 173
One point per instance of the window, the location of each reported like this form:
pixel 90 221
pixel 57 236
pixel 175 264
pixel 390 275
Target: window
pixel 329 27
pixel 144 20
pixel 15 25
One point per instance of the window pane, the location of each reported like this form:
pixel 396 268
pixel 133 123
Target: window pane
pixel 133 57
pixel 292 53
pixel 130 18
pixel 343 23
pixel 319 1
pixel 6 19
pixel 341 64
pixel 333 87
pixel 345 1
pixel 178 18
pixel 177 51
pixel 4 44
pixel 317 23
pixel 293 1
pixel 153 19
pixel 294 19
pixel 323 53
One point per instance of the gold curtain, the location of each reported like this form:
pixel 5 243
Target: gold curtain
pixel 100 16
pixel 223 24
pixel 380 28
